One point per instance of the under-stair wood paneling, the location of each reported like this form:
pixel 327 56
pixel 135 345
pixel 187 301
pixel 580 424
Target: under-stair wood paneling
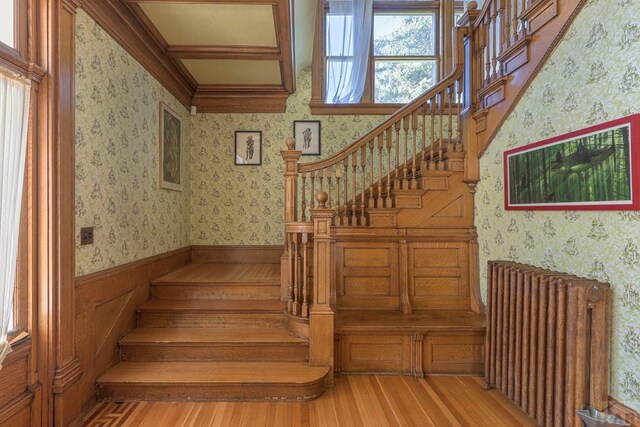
pixel 16 395
pixel 106 304
pixel 438 275
pixel 367 275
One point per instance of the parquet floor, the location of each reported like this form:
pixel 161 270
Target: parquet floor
pixel 367 400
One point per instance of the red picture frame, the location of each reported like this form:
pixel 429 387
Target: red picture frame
pixel 595 168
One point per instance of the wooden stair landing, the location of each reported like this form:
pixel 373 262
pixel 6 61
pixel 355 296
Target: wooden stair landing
pixel 213 332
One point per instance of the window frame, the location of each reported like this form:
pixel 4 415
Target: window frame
pixel 16 58
pixel 368 105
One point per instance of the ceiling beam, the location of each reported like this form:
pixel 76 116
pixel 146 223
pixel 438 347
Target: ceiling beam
pixel 205 1
pixel 224 52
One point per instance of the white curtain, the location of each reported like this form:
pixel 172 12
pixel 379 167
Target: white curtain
pixel 349 25
pixel 14 112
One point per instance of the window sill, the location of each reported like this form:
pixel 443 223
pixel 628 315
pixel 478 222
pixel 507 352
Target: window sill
pixel 16 338
pixel 321 109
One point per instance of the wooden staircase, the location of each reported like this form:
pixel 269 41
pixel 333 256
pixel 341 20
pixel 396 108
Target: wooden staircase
pixel 380 266
pixel 213 331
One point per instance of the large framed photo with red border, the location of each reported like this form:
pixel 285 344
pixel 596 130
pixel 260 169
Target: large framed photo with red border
pixel 595 168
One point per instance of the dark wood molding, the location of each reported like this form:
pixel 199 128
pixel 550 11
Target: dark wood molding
pixel 127 29
pixel 224 52
pixel 237 101
pixel 114 294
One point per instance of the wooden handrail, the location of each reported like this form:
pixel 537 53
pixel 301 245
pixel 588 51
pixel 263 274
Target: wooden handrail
pixel 407 110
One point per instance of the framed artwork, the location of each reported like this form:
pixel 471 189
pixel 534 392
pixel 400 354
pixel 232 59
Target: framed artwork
pixel 595 168
pixel 307 136
pixel 248 149
pixel 170 149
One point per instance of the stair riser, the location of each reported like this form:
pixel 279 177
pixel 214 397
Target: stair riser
pixel 186 292
pixel 206 320
pixel 217 353
pixel 210 392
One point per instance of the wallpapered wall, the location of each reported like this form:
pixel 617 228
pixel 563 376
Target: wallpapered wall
pixel 117 151
pixel 243 205
pixel 593 76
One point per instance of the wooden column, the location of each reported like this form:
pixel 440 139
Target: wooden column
pixel 58 195
pixel 291 157
pixel 322 317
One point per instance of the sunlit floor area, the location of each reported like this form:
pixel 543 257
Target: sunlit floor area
pixel 355 400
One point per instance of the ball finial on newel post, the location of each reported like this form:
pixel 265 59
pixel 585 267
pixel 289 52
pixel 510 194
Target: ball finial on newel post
pixel 321 198
pixel 291 144
pixel 472 5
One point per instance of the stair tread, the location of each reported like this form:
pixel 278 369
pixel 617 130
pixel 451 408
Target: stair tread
pixel 211 273
pixel 271 305
pixel 419 319
pixel 204 336
pixel 198 373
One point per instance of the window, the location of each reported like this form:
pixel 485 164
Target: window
pixel 405 56
pixel 7 22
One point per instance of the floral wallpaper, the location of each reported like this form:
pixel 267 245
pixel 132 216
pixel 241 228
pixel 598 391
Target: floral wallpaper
pixel 592 76
pixel 117 137
pixel 243 205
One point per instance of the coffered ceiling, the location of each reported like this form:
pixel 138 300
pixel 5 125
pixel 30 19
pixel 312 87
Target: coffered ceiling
pixel 232 55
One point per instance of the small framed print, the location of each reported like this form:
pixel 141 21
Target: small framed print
pixel 248 145
pixel 170 149
pixel 307 136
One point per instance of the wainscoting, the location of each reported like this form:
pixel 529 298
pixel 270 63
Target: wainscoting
pixel 106 304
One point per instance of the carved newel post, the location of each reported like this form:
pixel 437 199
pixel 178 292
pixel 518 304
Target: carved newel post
pixel 321 317
pixel 290 157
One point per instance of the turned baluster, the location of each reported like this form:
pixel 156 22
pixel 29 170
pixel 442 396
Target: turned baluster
pixel 363 163
pixel 321 179
pixel 312 176
pixel 423 160
pixel 521 26
pixel 459 145
pixel 296 277
pixel 496 43
pixel 379 200
pixel 345 163
pixel 290 273
pixel 441 133
pixel 450 140
pixel 305 281
pixel 507 24
pixel 303 215
pixel 354 187
pixel 414 165
pixel 389 147
pixel 499 26
pixel 372 199
pixel 405 166
pixel 397 144
pixel 328 174
pixel 432 143
pixel 338 175
pixel 487 48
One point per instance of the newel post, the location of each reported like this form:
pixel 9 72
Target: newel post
pixel 291 157
pixel 322 317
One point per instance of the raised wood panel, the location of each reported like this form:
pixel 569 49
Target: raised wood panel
pixel 237 254
pixel 106 304
pixel 375 353
pixel 367 275
pixel 14 376
pixel 438 275
pixel 453 354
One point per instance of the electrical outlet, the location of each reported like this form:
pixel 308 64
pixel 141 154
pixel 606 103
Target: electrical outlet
pixel 86 236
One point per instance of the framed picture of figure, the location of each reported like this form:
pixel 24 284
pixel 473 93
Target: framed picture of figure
pixel 170 149
pixel 307 136
pixel 248 147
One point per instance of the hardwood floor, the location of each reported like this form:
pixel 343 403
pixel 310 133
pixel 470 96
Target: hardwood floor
pixel 354 401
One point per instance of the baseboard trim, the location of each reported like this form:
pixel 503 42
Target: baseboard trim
pixel 267 254
pixel 624 412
